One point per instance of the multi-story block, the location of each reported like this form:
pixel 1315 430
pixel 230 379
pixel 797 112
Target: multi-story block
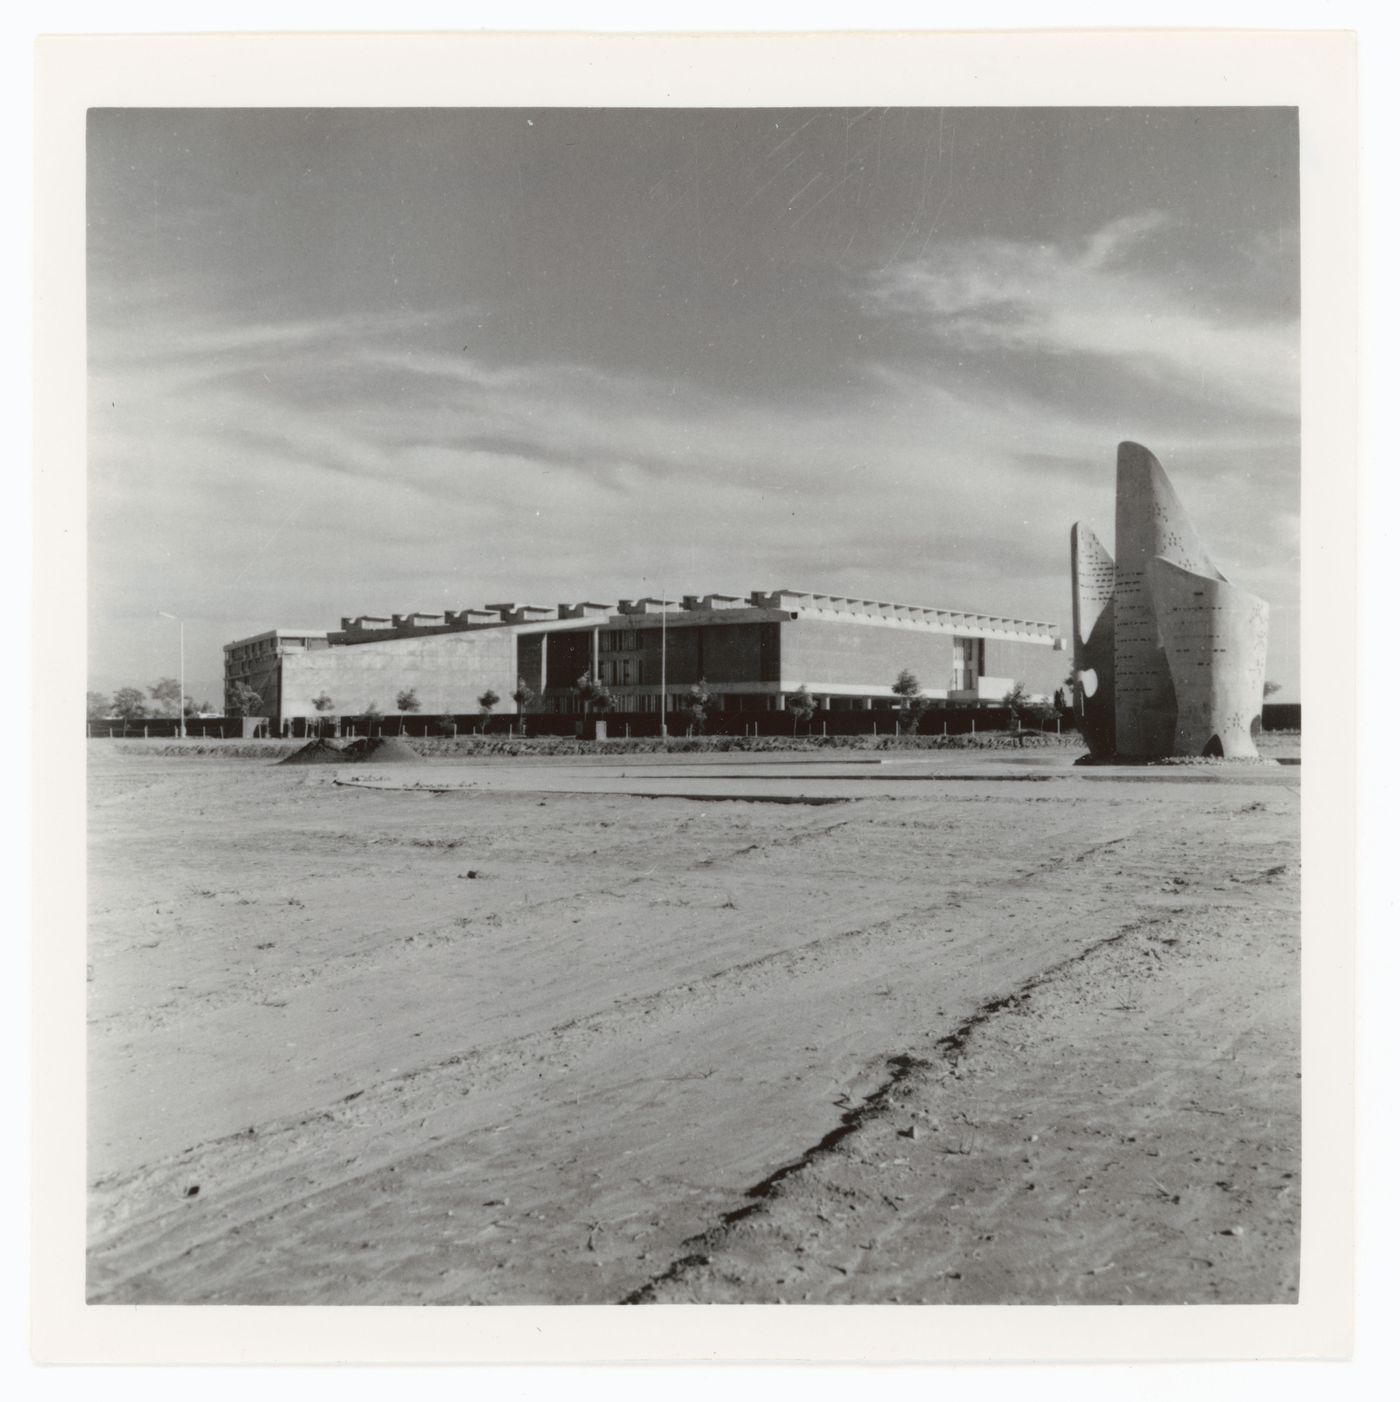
pixel 752 654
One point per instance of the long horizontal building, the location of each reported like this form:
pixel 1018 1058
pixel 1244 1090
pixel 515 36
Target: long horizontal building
pixel 752 653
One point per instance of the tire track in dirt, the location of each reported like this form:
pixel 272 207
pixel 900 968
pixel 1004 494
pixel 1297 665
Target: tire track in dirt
pixel 321 1167
pixel 388 951
pixel 1151 1212
pixel 468 1073
pixel 140 1221
pixel 902 1067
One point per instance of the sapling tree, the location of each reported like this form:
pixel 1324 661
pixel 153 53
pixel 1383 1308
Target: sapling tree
pixel 912 702
pixel 597 699
pixel 1024 708
pixel 698 703
pixel 523 696
pixel 407 702
pixel 803 706
pixel 488 701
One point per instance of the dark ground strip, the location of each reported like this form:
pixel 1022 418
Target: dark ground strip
pixel 811 802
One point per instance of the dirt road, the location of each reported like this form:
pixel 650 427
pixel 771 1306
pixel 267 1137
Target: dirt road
pixel 532 1043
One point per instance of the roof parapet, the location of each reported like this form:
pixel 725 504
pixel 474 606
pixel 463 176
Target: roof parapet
pixel 633 607
pixel 916 614
pixel 781 600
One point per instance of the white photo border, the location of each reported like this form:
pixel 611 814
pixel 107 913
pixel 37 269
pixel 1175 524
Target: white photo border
pixel 1314 72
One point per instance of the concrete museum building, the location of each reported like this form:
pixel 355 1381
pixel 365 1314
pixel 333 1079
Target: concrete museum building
pixel 752 653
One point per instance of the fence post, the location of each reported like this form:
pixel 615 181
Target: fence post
pixel 974 725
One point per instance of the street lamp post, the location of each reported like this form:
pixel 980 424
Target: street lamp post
pixel 180 704
pixel 663 664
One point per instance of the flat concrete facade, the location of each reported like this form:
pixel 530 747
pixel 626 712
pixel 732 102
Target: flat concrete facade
pixel 751 653
pixel 447 671
pixel 844 657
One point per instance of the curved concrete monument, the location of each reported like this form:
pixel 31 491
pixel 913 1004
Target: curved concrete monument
pixel 1168 654
pixel 1092 569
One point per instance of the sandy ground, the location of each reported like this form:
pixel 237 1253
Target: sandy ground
pixel 944 1029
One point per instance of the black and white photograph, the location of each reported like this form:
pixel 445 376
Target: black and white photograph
pixel 694 704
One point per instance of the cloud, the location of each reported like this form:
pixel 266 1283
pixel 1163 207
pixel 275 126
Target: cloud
pixel 266 473
pixel 1095 301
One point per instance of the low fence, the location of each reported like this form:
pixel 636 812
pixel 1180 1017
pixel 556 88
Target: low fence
pixel 937 720
pixel 643 724
pixel 960 720
pixel 168 728
pixel 1283 715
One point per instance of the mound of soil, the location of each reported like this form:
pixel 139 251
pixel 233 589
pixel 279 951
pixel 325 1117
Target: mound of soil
pixel 318 752
pixel 382 749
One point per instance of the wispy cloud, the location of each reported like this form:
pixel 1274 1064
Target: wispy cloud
pixel 332 465
pixel 346 360
pixel 1095 300
pixel 366 462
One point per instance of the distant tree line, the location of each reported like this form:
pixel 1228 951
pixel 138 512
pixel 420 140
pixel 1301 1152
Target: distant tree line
pixel 697 703
pixel 158 701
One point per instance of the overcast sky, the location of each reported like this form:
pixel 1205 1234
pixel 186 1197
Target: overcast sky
pixel 352 362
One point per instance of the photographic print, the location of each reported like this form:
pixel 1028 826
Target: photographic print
pixel 694 704
pixel 448 979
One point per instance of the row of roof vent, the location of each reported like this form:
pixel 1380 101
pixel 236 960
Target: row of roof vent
pixel 458 618
pixel 538 613
pixel 784 599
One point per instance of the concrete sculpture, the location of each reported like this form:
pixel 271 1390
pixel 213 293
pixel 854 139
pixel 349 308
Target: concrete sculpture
pixel 1168 654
